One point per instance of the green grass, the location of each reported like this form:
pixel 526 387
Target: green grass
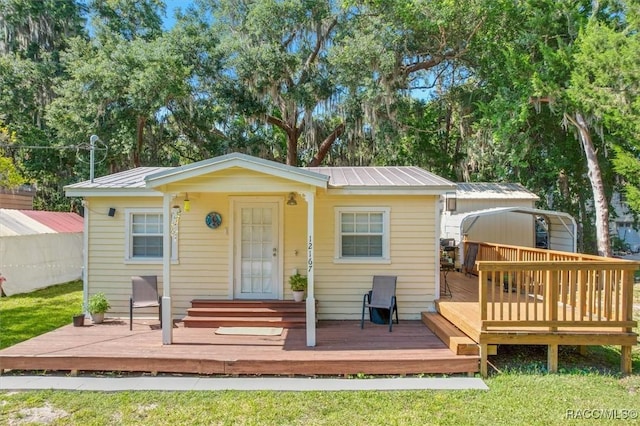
pixel 512 399
pixel 521 393
pixel 23 316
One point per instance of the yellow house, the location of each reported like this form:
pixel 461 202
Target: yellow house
pixel 236 227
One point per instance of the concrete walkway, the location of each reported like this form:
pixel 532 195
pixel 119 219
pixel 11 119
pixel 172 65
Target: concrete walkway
pixel 162 383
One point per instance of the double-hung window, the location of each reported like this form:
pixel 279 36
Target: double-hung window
pixel 362 234
pixel 144 228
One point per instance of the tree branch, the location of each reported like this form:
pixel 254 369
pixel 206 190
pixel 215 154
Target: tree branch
pixel 326 145
pixel 321 37
pixel 437 59
pixel 278 123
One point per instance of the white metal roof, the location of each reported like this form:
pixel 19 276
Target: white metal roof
pixel 382 177
pixel 128 181
pixel 489 190
pixel 144 180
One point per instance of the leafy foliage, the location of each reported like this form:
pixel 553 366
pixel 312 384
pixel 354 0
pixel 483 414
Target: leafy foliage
pixel 541 92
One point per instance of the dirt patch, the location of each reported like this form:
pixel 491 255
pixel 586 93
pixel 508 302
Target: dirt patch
pixel 40 415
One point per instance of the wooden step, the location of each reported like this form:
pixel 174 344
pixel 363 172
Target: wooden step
pixel 456 340
pixel 213 303
pixel 210 313
pixel 249 311
pixel 239 321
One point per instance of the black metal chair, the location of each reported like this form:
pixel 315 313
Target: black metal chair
pixel 144 294
pixel 381 296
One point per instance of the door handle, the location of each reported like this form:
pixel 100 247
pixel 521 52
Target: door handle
pixel 275 251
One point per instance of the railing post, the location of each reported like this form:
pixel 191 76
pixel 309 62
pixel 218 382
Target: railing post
pixel 482 295
pixel 627 315
pixel 627 297
pixel 551 299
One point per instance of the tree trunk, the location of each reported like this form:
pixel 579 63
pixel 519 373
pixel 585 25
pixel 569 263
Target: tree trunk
pixel 292 147
pixel 595 177
pixel 326 145
pixel 142 121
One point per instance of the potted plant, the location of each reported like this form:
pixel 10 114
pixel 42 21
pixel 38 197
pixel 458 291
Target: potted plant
pixel 298 286
pixel 78 319
pixel 97 306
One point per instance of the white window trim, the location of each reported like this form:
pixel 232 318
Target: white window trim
pixel 386 235
pixel 128 240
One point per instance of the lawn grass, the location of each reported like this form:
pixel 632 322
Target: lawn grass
pixel 512 399
pixel 520 393
pixel 23 316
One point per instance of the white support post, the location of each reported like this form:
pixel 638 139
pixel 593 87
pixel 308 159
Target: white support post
pixel 438 214
pixel 85 257
pixel 311 301
pixel 167 319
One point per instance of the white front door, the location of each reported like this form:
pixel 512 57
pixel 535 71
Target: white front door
pixel 257 252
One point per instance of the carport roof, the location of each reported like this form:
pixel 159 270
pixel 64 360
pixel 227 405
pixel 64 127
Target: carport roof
pixel 493 190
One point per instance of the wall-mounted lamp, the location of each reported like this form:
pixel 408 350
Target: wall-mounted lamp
pixel 112 212
pixel 291 201
pixel 451 202
pixel 187 203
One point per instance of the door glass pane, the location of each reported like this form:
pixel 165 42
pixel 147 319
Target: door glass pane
pixel 257 250
pixel 266 216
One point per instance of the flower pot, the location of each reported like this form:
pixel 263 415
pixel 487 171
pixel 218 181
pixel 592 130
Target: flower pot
pixel 97 318
pixel 298 296
pixel 78 320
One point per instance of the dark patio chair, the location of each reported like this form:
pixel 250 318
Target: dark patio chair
pixel 144 294
pixel 381 296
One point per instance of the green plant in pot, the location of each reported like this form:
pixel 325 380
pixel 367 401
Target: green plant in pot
pixel 78 319
pixel 97 306
pixel 298 285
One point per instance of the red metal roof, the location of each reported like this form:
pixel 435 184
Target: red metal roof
pixel 58 221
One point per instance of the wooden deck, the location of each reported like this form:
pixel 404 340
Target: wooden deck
pixel 342 349
pixel 463 310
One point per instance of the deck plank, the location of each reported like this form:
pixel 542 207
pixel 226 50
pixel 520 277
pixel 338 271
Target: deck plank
pixel 342 348
pixel 463 311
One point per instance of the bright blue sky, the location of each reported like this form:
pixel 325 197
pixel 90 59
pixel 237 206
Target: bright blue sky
pixel 172 5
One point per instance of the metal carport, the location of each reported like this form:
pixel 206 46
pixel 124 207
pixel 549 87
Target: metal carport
pixel 562 228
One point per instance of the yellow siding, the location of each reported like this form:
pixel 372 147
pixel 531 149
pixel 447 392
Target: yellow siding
pixel 204 268
pixel 340 286
pixel 107 271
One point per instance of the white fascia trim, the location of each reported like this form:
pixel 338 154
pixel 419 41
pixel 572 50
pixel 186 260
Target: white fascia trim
pixel 113 192
pixel 273 169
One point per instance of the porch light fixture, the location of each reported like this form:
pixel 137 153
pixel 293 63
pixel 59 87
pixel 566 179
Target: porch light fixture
pixel 291 201
pixel 187 203
pixel 112 212
pixel 451 202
